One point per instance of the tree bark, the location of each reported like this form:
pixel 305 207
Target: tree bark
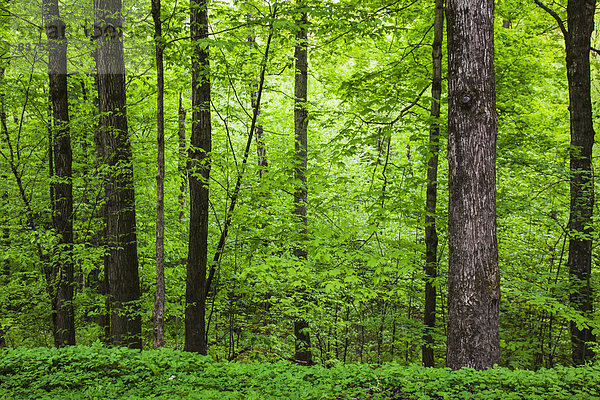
pixel 199 172
pixel 301 327
pixel 61 278
pixel 580 22
pixel 158 314
pixel 431 238
pixel 473 274
pixel 121 234
pixel 103 288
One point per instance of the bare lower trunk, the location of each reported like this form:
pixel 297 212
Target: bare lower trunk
pixel 431 238
pixel 61 277
pixel 158 314
pixel 473 274
pixel 301 329
pixel 199 156
pixel 580 16
pixel 123 278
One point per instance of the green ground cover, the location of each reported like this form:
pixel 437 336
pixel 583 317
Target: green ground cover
pixel 97 372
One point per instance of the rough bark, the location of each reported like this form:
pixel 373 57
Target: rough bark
pixel 61 277
pixel 123 278
pixel 431 238
pixel 199 172
pixel 473 275
pixel 100 238
pixel 301 328
pixel 158 313
pixel 580 23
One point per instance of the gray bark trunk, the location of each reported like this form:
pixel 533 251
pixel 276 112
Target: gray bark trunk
pixel 473 274
pixel 158 314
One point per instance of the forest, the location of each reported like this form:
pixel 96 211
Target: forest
pixel 320 182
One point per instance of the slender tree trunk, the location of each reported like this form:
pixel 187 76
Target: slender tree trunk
pixel 261 150
pixel 5 236
pixel 580 22
pixel 301 328
pixel 238 183
pixel 123 278
pixel 158 316
pixel 473 274
pixel 61 279
pixel 182 167
pixel 431 238
pixel 199 172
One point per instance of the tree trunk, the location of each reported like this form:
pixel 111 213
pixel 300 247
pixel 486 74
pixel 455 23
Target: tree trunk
pixel 199 172
pixel 5 235
pixel 431 238
pixel 238 183
pixel 303 350
pixel 123 278
pixel 158 316
pixel 580 22
pixel 473 274
pixel 61 279
pixel 261 150
pixel 103 288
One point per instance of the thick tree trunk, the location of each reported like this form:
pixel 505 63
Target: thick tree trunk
pixel 580 22
pixel 303 348
pixel 158 314
pixel 473 275
pixel 119 189
pixel 199 172
pixel 431 238
pixel 61 279
pixel 100 238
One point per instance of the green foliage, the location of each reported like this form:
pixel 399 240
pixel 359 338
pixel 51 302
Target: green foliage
pixel 117 373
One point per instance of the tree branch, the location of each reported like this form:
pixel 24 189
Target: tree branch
pixel 561 23
pixel 236 191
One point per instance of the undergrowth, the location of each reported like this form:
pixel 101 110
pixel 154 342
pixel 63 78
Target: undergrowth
pixel 98 372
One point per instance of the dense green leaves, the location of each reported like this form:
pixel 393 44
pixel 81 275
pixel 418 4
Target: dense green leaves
pixel 98 372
